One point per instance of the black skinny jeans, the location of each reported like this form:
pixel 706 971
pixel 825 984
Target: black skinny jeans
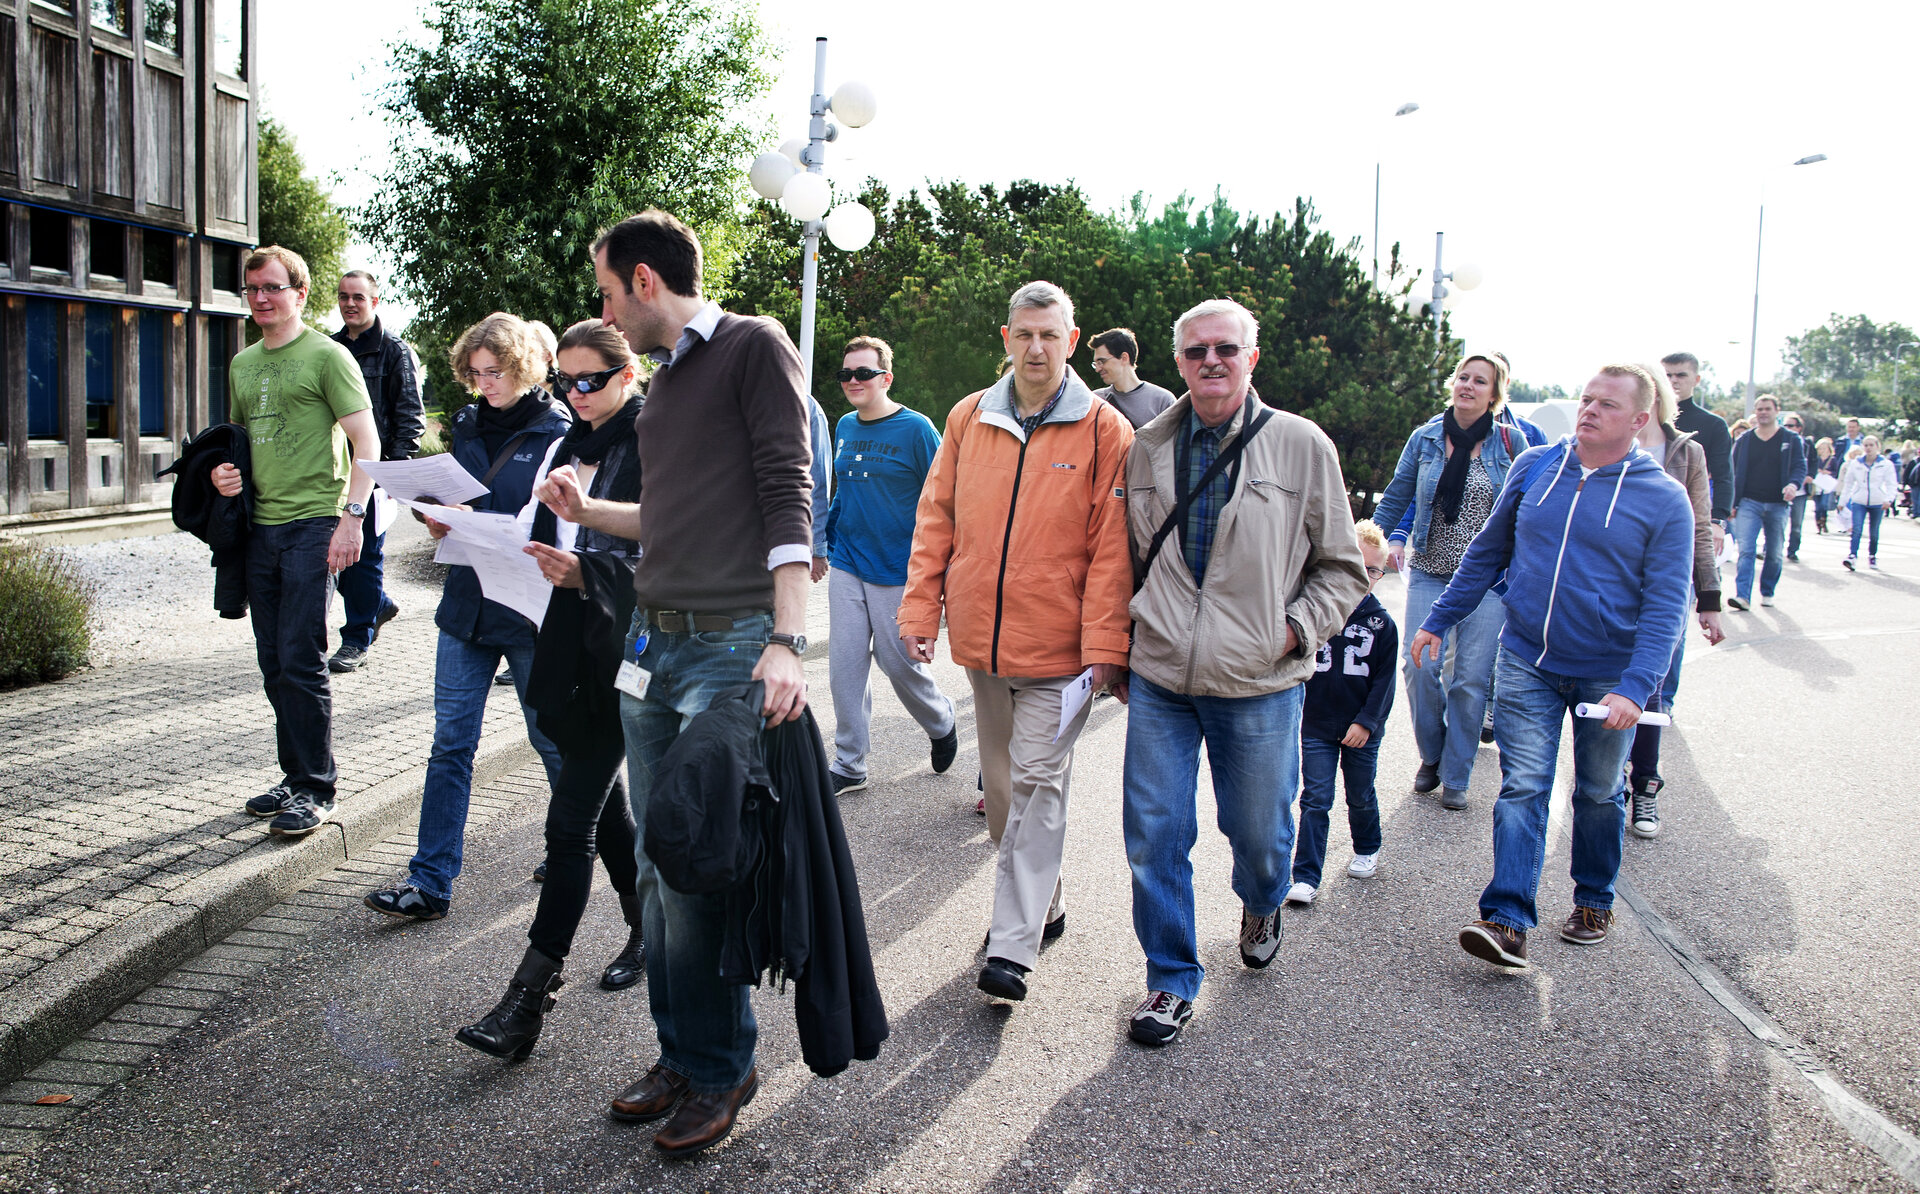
pixel 288 588
pixel 589 806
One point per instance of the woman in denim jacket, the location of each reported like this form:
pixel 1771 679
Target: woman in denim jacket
pixel 1449 474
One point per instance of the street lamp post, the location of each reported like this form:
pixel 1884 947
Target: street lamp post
pixel 1406 109
pixel 1753 339
pixel 794 177
pixel 1897 354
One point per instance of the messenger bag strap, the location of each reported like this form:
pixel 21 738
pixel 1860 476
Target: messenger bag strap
pixel 1223 461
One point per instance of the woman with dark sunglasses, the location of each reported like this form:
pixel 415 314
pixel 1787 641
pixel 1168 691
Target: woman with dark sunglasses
pixel 571 686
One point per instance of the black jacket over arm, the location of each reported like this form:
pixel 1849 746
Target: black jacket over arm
pixel 223 523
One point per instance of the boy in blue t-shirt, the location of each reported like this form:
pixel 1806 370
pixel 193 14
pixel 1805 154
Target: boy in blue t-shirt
pixel 882 453
pixel 1346 706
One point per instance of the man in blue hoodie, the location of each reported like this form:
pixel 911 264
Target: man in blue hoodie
pixel 1597 597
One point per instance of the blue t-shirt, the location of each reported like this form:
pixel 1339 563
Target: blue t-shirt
pixel 879 469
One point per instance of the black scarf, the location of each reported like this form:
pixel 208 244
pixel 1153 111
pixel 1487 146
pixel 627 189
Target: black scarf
pixel 504 421
pixel 589 445
pixel 1452 489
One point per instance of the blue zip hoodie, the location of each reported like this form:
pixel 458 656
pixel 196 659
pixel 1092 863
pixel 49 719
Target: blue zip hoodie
pixel 1598 583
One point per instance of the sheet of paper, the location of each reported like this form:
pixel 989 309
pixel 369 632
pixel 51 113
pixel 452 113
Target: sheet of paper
pixel 438 477
pixel 1072 697
pixel 480 528
pixel 492 545
pixel 384 508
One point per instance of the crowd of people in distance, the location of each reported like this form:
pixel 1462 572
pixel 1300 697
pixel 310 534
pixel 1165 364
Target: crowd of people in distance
pixel 1193 555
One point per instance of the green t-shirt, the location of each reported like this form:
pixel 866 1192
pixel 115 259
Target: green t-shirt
pixel 291 400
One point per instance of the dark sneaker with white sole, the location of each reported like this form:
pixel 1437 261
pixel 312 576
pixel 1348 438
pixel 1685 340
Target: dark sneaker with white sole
pixel 1587 926
pixel 842 785
pixel 1259 937
pixel 349 658
pixel 1159 1019
pixel 304 814
pixel 407 902
pixel 272 802
pixel 1495 943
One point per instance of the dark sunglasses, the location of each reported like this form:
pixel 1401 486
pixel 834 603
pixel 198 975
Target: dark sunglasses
pixel 586 383
pixel 863 373
pixel 1198 352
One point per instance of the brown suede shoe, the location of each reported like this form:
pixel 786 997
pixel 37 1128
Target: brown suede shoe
pixel 651 1097
pixel 1587 926
pixel 706 1119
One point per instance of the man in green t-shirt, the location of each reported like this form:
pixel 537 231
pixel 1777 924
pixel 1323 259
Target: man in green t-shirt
pixel 304 404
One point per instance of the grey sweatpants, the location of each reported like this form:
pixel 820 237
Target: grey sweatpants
pixel 862 630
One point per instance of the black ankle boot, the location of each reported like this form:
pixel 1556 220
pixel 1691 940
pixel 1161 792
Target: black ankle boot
pixel 625 970
pixel 511 1028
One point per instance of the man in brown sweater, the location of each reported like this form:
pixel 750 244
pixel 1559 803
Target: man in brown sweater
pixel 725 526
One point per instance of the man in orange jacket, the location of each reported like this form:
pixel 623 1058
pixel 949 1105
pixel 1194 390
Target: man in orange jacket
pixel 1030 559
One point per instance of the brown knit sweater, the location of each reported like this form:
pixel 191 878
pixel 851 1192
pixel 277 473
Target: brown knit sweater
pixel 724 470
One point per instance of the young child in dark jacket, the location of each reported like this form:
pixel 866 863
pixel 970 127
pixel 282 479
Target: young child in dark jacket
pixel 1347 701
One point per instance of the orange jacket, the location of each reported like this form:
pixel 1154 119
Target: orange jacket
pixel 1025 541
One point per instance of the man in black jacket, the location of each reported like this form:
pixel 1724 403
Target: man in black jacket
pixel 393 385
pixel 1683 371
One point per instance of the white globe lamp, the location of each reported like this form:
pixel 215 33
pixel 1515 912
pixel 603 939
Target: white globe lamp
pixel 850 227
pixel 793 149
pixel 1468 276
pixel 806 197
pixel 769 174
pixel 855 104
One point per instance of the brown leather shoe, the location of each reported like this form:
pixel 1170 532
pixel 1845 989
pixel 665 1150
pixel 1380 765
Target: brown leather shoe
pixel 706 1119
pixel 651 1097
pixel 1587 926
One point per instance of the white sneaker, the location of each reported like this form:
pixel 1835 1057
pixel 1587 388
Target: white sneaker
pixel 1364 865
pixel 1766 601
pixel 1301 893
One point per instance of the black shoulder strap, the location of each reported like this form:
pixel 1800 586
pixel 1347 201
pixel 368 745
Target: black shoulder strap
pixel 1220 464
pixel 505 454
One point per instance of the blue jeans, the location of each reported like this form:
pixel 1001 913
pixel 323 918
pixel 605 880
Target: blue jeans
pixel 1748 522
pixel 288 589
pixel 1447 697
pixel 1861 514
pixel 362 591
pixel 1527 721
pixel 1319 758
pixel 1253 748
pixel 462 679
pixel 705 1023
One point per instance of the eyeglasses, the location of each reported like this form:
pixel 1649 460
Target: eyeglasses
pixel 863 374
pixel 1375 573
pixel 476 376
pixel 586 383
pixel 1198 352
pixel 251 291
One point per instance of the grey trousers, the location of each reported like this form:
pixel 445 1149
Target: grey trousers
pixel 862 629
pixel 1025 774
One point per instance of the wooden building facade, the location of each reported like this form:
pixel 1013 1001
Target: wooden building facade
pixel 128 197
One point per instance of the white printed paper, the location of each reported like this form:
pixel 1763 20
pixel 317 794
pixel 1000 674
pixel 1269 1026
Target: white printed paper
pixel 492 545
pixel 439 477
pixel 384 510
pixel 1072 698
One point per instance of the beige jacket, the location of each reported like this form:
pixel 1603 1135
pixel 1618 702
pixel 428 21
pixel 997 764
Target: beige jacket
pixel 1687 464
pixel 1283 553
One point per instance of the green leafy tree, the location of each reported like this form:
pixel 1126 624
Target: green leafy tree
pixel 298 212
pixel 521 129
pixel 1847 363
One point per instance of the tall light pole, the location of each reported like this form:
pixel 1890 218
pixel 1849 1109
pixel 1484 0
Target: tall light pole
pixel 794 177
pixel 1897 354
pixel 1406 109
pixel 1753 339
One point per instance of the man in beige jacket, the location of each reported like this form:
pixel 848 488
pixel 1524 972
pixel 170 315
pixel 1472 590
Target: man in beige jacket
pixel 1241 534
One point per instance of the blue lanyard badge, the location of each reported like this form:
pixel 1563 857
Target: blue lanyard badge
pixel 639 646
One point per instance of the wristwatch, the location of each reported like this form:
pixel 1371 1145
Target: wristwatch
pixel 797 643
pixel 355 509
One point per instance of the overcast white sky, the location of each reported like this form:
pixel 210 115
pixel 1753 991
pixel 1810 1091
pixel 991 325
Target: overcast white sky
pixel 1604 169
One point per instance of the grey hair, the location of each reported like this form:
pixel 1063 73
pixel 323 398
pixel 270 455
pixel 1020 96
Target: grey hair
pixel 1038 296
pixel 1249 326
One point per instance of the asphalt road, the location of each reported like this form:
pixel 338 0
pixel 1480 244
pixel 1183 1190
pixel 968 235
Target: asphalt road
pixel 1372 1056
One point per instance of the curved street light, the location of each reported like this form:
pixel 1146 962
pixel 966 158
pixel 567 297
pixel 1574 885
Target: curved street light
pixel 1759 239
pixel 793 177
pixel 1406 109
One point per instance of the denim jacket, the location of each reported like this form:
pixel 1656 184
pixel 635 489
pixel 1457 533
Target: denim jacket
pixel 1418 475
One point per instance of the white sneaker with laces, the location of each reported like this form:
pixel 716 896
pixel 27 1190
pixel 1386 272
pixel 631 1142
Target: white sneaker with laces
pixel 1259 938
pixel 1159 1018
pixel 1301 893
pixel 1364 865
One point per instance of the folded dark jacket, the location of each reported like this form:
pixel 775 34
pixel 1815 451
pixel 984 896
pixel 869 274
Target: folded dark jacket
pixel 221 522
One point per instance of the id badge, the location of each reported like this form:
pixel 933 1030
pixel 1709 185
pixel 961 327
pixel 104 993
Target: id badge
pixel 633 680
